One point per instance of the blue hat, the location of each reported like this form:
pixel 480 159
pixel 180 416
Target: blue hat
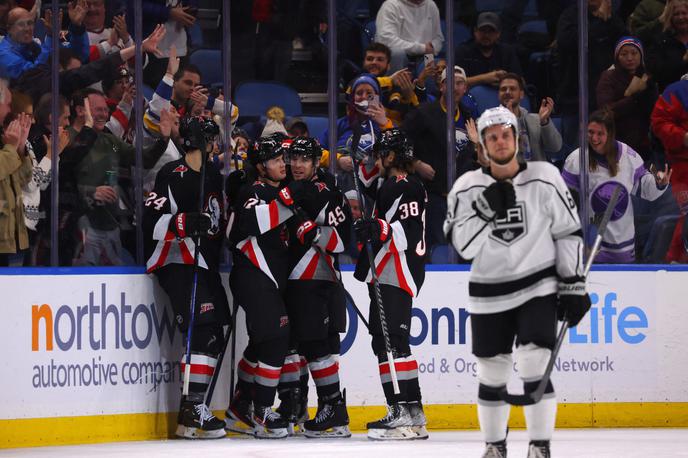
pixel 366 78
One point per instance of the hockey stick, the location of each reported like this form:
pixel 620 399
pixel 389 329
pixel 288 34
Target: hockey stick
pixel 355 307
pixel 194 290
pixel 527 399
pixel 216 373
pixel 371 260
pixel 232 354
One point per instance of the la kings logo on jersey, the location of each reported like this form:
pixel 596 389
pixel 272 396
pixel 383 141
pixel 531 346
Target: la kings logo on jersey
pixel 513 227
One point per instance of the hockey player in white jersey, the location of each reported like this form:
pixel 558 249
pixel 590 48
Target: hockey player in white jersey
pixel 518 223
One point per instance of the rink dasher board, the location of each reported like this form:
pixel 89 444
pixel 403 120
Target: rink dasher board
pixel 72 366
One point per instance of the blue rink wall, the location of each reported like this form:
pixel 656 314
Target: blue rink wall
pixel 93 355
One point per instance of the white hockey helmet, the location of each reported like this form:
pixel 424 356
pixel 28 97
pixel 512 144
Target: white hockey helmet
pixel 494 117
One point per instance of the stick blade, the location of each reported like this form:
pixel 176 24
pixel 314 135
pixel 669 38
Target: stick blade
pixel 517 399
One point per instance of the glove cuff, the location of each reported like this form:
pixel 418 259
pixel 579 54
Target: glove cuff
pixel 572 287
pixel 285 197
pixel 385 230
pixel 179 222
pixel 305 228
pixel 483 209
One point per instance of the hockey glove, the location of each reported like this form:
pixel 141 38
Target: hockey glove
pixel 494 201
pixel 307 232
pixel 574 302
pixel 293 193
pixel 369 229
pixel 190 224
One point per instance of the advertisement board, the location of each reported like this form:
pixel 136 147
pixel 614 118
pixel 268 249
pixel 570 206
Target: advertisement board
pixel 107 345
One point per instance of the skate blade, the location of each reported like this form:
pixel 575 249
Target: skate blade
pixel 421 432
pixel 188 432
pixel 261 432
pixel 394 434
pixel 331 433
pixel 238 426
pixel 295 429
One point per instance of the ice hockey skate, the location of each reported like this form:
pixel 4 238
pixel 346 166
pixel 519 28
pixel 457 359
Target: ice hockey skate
pixel 294 409
pixel 495 450
pixel 268 423
pixel 538 449
pixel 418 419
pixel 396 425
pixel 196 421
pixel 239 416
pixel 332 420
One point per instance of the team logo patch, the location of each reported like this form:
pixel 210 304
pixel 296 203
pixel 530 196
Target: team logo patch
pixel 180 169
pixel 401 178
pixel 207 307
pixel 512 227
pixel 284 320
pixel 321 186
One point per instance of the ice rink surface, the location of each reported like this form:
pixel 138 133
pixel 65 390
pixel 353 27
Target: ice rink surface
pixel 602 443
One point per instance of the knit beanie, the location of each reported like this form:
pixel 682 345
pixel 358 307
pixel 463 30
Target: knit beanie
pixel 366 78
pixel 633 41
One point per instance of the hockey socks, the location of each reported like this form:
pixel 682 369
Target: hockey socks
pixel 202 370
pixel 325 372
pixel 407 376
pixel 493 414
pixel 239 414
pixel 293 391
pixel 541 417
pixel 195 421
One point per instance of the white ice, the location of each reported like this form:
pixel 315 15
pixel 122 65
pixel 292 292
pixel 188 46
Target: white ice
pixel 597 443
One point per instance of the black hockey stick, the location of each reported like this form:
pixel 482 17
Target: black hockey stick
pixel 355 307
pixel 194 290
pixel 232 354
pixel 527 399
pixel 356 127
pixel 216 373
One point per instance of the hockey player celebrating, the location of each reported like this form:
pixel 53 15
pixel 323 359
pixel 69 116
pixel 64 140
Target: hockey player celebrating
pixel 397 234
pixel 172 223
pixel 518 223
pixel 258 281
pixel 315 299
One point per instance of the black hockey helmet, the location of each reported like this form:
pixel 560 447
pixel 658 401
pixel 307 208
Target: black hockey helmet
pixel 264 149
pixel 307 147
pixel 197 131
pixel 393 140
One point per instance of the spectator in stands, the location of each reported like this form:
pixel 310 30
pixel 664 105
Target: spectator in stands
pixel 613 164
pixel 5 7
pixel 630 93
pixel 38 81
pixel 176 16
pixel 15 172
pixel 426 128
pixel 397 91
pixel 364 109
pixel 19 52
pixel 97 175
pixel 410 28
pixel 669 121
pixel 604 30
pixel 36 193
pixel 667 61
pixel 186 81
pixel 537 136
pixel 297 127
pixel 485 58
pixel 644 22
pixel 106 41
